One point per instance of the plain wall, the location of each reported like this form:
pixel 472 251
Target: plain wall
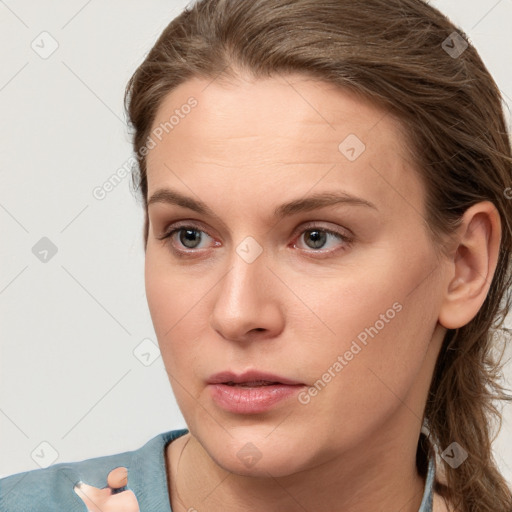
pixel 69 326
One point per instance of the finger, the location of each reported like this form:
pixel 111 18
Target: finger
pixel 123 502
pixel 118 477
pixel 93 497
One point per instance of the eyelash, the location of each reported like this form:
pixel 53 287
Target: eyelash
pixel 347 240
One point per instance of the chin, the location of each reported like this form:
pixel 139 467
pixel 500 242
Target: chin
pixel 276 465
pixel 263 456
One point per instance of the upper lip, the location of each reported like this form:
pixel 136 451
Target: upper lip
pixel 249 376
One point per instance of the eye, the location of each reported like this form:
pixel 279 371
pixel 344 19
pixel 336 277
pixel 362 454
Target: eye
pixel 189 237
pixel 316 237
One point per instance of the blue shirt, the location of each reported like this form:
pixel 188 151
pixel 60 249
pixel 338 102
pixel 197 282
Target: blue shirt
pixel 51 489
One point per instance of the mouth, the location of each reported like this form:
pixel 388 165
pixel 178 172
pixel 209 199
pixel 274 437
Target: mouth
pixel 251 378
pixel 252 392
pixel 253 384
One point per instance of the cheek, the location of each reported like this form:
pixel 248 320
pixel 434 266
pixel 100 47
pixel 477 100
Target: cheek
pixel 347 303
pixel 177 303
pixel 378 315
pixel 173 295
pixel 363 383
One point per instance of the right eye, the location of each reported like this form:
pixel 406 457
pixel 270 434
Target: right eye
pixel 189 237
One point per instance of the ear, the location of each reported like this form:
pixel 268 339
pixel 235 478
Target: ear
pixel 472 265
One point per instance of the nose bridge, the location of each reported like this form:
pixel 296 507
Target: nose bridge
pixel 243 303
pixel 247 264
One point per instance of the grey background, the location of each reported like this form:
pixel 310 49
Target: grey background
pixel 69 377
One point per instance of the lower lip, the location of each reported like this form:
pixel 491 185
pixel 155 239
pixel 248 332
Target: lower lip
pixel 247 400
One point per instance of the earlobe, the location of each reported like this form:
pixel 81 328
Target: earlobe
pixel 471 269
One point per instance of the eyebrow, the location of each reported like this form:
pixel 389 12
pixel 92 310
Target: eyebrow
pixel 306 204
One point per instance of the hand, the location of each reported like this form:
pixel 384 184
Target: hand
pixel 102 500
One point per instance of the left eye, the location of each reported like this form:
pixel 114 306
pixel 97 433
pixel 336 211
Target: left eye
pixel 316 237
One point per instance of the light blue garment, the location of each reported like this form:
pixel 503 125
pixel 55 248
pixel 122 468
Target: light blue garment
pixel 428 494
pixel 51 489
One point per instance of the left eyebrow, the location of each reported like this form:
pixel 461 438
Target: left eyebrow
pixel 320 200
pixel 306 204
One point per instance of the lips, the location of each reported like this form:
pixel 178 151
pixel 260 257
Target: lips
pixel 251 378
pixel 251 392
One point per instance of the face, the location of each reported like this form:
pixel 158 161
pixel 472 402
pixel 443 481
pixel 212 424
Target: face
pixel 337 291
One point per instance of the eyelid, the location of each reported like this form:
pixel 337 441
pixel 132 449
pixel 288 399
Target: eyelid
pixel 311 225
pixel 183 224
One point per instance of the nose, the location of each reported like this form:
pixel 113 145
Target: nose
pixel 247 304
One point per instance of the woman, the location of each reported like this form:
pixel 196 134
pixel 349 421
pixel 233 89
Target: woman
pixel 328 241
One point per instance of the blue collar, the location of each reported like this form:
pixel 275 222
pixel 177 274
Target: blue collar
pixel 428 495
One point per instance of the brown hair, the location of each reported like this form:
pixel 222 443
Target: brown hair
pixel 395 53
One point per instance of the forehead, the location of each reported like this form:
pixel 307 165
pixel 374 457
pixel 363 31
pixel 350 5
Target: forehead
pixel 286 130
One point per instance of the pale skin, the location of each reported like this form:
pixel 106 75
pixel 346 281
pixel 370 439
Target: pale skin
pixel 246 148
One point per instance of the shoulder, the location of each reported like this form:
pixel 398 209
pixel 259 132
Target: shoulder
pixel 52 488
